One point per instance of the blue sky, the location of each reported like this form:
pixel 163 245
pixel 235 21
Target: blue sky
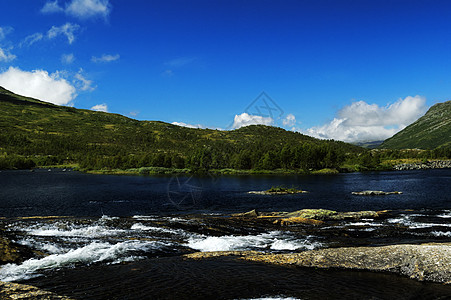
pixel 349 70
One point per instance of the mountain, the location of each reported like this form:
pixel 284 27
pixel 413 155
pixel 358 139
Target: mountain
pixel 35 132
pixel 431 131
pixel 369 144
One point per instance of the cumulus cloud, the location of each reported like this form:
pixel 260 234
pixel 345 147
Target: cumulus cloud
pixel 67 29
pixel 67 58
pixel 246 119
pixel 38 84
pixel 361 121
pixel 100 107
pixel 289 120
pixel 82 9
pixel 105 58
pixel 187 125
pixel 31 39
pixel 6 56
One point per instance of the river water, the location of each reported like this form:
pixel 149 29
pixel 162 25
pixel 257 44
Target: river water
pixel 122 237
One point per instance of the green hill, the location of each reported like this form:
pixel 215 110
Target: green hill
pixel 37 133
pixel 433 130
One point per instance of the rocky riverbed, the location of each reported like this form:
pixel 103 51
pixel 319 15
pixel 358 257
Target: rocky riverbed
pixel 38 251
pixel 433 164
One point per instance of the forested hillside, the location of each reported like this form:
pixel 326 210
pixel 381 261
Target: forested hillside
pixel 35 133
pixel 433 130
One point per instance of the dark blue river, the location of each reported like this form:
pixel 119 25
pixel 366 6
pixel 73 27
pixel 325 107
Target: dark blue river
pixel 124 237
pixel 69 193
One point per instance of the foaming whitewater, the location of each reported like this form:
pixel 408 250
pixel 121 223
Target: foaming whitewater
pixel 79 242
pixel 89 254
pixel 274 240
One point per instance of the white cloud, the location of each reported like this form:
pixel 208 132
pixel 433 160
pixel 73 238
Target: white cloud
pixel 187 125
pixel 105 58
pixel 245 120
pixel 82 83
pixel 82 9
pixel 67 29
pixel 289 120
pixel 67 58
pixel 361 121
pixel 51 7
pixel 4 31
pixel 31 39
pixel 6 56
pixel 85 9
pixel 38 84
pixel 100 107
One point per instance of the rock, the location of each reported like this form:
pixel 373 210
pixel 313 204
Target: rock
pixel 318 214
pixel 375 193
pixel 276 193
pixel 13 253
pixel 434 164
pixel 250 214
pixel 297 220
pixel 426 262
pixel 10 290
pixel 307 216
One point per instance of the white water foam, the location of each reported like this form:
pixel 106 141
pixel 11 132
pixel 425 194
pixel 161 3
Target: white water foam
pixel 142 227
pixel 446 214
pixel 440 233
pixel 92 253
pixel 159 218
pixel 274 298
pixel 274 240
pixel 45 247
pixel 93 231
pixel 407 221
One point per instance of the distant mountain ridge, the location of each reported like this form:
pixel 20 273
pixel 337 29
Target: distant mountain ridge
pixel 433 130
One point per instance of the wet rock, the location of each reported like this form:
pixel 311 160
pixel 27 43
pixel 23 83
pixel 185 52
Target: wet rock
pixel 306 216
pixel 297 220
pixel 250 214
pixel 375 193
pixel 13 253
pixel 426 262
pixel 10 290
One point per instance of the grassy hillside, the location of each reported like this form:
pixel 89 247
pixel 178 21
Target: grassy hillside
pixel 431 131
pixel 34 132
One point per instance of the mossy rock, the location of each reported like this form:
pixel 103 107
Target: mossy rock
pixel 317 214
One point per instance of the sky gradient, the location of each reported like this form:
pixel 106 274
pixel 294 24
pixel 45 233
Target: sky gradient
pixel 348 70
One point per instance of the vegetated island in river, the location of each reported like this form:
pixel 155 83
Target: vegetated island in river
pixel 279 190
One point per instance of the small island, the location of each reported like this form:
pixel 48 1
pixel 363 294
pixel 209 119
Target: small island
pixel 376 193
pixel 279 190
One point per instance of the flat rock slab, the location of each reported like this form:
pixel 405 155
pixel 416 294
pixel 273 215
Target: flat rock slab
pixel 376 193
pixel 428 262
pixel 10 290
